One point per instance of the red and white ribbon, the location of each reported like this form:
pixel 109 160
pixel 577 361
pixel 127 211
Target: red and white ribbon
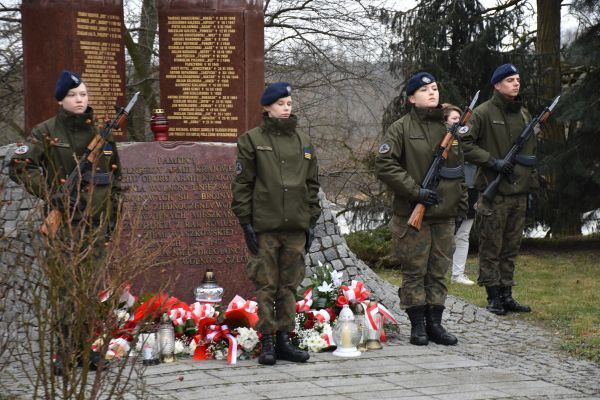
pixel 216 332
pixel 372 311
pixel 238 303
pixel 125 297
pixel 322 316
pixel 356 292
pixel 199 311
pixel 305 304
pixel 179 315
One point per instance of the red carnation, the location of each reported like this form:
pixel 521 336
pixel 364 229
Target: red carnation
pixel 341 301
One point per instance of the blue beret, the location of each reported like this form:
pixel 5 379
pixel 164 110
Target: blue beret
pixel 274 92
pixel 503 71
pixel 418 80
pixel 66 81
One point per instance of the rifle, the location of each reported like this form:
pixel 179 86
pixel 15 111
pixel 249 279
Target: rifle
pixel 440 155
pixel 513 153
pixel 86 161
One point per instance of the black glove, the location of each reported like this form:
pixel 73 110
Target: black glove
pixel 251 239
pixel 428 197
pixel 58 202
pixel 458 222
pixel 502 166
pixel 310 236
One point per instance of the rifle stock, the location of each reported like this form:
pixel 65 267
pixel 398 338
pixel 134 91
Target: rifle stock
pixel 51 223
pixel 416 217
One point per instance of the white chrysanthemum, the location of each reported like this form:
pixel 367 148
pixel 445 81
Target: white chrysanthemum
pixel 247 338
pixel 180 347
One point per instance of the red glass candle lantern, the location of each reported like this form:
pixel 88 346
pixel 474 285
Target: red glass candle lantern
pixel 159 125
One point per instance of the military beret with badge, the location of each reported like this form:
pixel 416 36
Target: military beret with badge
pixel 418 80
pixel 274 92
pixel 503 71
pixel 66 81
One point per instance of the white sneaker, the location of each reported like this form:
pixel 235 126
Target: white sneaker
pixel 462 279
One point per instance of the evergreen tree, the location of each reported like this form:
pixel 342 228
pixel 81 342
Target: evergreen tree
pixel 573 163
pixel 460 42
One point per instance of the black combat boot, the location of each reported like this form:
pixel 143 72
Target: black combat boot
pixel 435 330
pixel 418 336
pixel 267 352
pixel 510 304
pixel 494 300
pixel 285 350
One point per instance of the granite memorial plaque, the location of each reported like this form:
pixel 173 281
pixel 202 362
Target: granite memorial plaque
pixel 182 192
pixel 84 36
pixel 211 67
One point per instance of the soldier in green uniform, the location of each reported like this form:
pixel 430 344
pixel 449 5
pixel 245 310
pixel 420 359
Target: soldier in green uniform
pixel 41 164
pixel 494 126
pixel 52 151
pixel 425 255
pixel 275 199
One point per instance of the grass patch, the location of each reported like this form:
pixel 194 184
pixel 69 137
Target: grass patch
pixel 562 288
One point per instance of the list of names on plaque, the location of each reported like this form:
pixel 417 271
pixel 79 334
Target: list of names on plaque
pixel 184 206
pixel 99 39
pixel 205 75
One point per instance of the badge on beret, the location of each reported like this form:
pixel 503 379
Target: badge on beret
pixel 463 129
pixel 238 167
pixel 22 149
pixel 384 148
pixel 75 79
pixel 289 89
pixel 513 68
pixel 426 79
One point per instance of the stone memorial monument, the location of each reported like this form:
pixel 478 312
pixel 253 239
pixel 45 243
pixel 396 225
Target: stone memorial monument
pixel 79 35
pixel 211 67
pixel 211 80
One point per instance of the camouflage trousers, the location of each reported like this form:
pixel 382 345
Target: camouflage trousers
pixel 425 257
pixel 277 271
pixel 500 226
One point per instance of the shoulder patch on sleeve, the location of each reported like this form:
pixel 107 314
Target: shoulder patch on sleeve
pixel 22 149
pixel 463 129
pixel 384 148
pixel 238 167
pixel 307 153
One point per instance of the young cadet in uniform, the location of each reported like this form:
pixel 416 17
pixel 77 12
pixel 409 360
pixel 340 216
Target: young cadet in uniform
pixel 48 156
pixel 275 199
pixel 463 228
pixel 493 127
pixel 402 162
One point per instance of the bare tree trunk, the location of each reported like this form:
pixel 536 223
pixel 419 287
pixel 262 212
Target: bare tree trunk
pixel 142 79
pixel 548 49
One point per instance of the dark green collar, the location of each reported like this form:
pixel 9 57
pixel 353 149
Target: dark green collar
pixel 511 106
pixel 428 114
pixel 76 121
pixel 280 125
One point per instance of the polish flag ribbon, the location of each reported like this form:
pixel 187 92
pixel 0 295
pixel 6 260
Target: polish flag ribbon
pixel 356 292
pixel 216 332
pixel 199 311
pixel 306 302
pixel 372 311
pixel 321 315
pixel 238 303
pixel 179 315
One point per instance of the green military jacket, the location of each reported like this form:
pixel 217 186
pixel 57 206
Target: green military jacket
pixel 404 159
pixel 276 185
pixel 493 128
pixel 50 154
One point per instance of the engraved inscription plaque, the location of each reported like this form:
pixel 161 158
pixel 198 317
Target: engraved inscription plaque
pixel 210 76
pixel 181 192
pixel 82 36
